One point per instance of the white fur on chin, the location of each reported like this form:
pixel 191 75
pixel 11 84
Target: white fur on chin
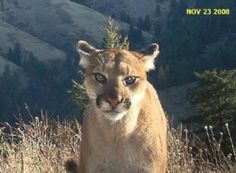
pixel 116 117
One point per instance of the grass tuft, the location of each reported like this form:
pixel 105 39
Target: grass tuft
pixel 188 153
pixel 41 146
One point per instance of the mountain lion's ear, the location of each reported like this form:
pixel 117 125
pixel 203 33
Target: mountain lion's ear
pixel 85 50
pixel 148 55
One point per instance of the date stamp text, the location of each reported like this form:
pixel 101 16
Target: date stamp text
pixel 208 11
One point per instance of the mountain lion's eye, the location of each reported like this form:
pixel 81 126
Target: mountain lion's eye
pixel 100 78
pixel 130 80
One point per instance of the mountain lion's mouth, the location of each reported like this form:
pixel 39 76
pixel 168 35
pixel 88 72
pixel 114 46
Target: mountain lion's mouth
pixel 114 115
pixel 112 112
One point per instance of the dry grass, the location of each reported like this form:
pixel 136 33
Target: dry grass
pixel 188 153
pixel 43 146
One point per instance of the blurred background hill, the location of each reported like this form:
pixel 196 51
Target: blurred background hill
pixel 38 58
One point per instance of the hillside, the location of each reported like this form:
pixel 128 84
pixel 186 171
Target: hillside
pixel 175 103
pixel 59 22
pixel 5 63
pixel 33 33
pixel 10 35
pixel 13 69
pixel 133 8
pixel 130 7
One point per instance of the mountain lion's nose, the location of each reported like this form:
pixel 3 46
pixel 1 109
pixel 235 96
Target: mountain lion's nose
pixel 113 102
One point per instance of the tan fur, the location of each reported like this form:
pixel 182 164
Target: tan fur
pixel 134 141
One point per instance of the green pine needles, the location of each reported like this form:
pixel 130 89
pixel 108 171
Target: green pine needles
pixel 113 38
pixel 215 97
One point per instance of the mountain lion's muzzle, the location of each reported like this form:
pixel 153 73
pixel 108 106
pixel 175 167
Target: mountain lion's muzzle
pixel 113 103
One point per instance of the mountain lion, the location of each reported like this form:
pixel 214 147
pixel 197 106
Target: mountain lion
pixel 124 128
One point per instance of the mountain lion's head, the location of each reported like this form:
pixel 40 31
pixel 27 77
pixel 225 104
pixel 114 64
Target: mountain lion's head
pixel 115 80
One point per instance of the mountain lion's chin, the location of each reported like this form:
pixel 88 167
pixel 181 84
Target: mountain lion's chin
pixel 114 115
